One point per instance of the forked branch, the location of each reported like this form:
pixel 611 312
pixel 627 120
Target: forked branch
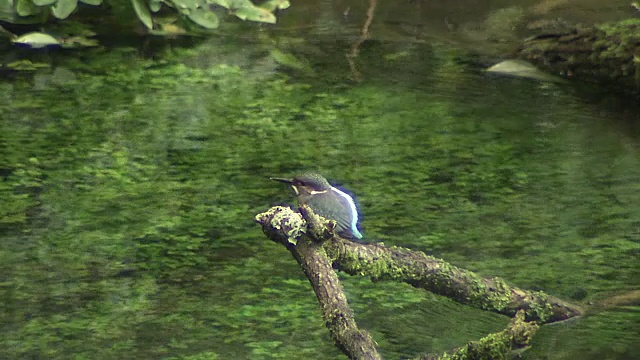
pixel 312 242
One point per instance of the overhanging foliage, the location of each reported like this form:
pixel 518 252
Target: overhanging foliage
pixel 204 13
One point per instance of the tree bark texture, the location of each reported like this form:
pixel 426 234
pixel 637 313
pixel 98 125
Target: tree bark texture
pixel 312 242
pixel 284 226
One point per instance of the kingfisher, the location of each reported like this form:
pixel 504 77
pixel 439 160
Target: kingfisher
pixel 327 201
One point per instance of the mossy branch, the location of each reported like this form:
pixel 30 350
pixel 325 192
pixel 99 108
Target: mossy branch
pixel 435 275
pixel 312 242
pixel 288 228
pixel 516 336
pixel 607 53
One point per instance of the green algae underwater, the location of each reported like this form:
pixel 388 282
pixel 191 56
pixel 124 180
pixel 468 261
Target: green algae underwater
pixel 129 188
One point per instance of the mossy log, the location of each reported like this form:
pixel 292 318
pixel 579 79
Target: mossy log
pixel 608 54
pixel 319 251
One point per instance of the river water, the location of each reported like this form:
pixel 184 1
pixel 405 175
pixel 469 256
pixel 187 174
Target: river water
pixel 130 182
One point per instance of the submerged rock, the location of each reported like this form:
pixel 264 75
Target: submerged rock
pixel 36 40
pixel 521 68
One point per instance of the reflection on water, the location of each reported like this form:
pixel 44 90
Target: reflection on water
pixel 128 198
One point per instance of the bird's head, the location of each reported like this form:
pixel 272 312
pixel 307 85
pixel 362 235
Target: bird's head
pixel 307 184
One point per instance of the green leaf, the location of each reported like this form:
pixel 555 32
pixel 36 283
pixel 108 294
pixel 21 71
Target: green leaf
pixel 63 8
pixel 273 5
pixel 254 13
pixel 26 65
pixel 184 6
pixel 140 6
pixel 92 2
pixel 26 8
pixel 289 60
pixel 44 2
pixel 36 40
pixel 155 5
pixel 204 18
pixel 79 41
pixel 227 4
pixel 22 12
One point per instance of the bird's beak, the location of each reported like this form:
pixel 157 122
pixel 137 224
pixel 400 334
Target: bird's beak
pixel 289 182
pixel 286 181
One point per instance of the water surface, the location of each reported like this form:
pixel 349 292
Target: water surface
pixel 129 188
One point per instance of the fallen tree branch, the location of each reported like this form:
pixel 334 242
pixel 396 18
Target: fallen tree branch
pixel 605 53
pixel 435 275
pixel 312 242
pixel 286 227
pixel 516 336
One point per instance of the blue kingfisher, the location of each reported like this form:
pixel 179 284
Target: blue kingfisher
pixel 327 201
